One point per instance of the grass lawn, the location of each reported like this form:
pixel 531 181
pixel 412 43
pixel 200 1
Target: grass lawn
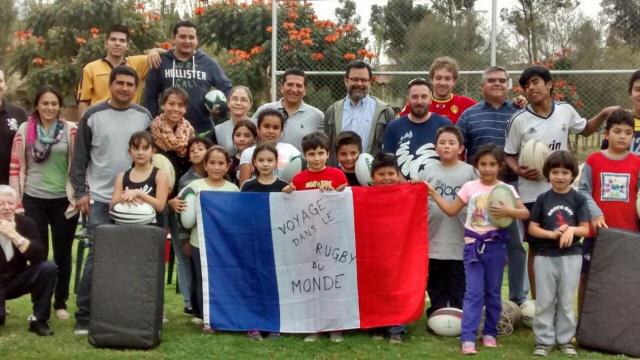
pixel 182 340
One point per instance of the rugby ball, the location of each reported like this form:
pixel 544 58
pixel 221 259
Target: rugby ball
pixel 293 167
pixel 509 317
pixel 533 155
pixel 446 322
pixel 214 98
pixel 163 163
pixel 501 194
pixel 187 217
pixel 133 214
pixel 528 312
pixel 363 169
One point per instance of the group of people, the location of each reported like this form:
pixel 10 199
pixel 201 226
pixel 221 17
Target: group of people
pixel 461 148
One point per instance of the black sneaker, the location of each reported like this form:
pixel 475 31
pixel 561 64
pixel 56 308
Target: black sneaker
pixel 41 328
pixel 188 311
pixel 81 329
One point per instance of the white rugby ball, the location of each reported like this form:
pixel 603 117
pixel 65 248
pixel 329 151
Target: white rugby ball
pixel 187 217
pixel 295 165
pixel 533 155
pixel 446 321
pixel 528 312
pixel 214 98
pixel 163 163
pixel 363 169
pixel 133 214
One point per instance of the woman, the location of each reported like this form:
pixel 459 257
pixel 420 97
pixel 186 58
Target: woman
pixel 39 172
pixel 171 133
pixel 240 101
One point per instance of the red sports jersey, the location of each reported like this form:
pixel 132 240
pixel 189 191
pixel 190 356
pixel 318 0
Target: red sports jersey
pixel 308 180
pixel 451 108
pixel 615 189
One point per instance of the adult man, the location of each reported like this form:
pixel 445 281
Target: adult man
pixel 300 118
pixel 547 121
pixel 23 265
pixel 190 68
pixel 486 123
pixel 100 154
pixel 94 83
pixel 10 118
pixel 359 112
pixel 411 138
pixel 444 74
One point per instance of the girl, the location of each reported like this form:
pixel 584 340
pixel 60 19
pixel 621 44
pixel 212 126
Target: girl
pixel 216 164
pixel 239 101
pixel 39 173
pixel 270 124
pixel 485 246
pixel 264 161
pixel 143 182
pixel 196 149
pixel 244 136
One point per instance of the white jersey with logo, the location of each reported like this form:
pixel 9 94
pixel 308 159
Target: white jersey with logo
pixel 553 130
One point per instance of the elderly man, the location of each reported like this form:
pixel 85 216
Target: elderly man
pixel 23 269
pixel 486 123
pixel 301 118
pixel 359 112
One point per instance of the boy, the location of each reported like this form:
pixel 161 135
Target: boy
pixel 318 175
pixel 348 148
pixel 197 148
pixel 559 218
pixel 548 121
pixel 446 284
pixel 634 95
pixel 609 180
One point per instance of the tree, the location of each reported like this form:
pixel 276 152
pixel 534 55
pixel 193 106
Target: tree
pixel 623 18
pixel 396 18
pixel 60 37
pixel 7 18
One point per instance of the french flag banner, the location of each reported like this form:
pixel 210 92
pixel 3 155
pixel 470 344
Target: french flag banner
pixel 313 261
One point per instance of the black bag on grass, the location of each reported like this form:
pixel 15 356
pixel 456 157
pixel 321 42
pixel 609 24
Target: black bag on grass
pixel 127 288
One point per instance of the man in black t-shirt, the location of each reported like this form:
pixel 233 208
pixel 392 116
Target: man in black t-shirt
pixel 10 118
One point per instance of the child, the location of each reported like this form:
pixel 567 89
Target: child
pixel 634 96
pixel 216 164
pixel 196 149
pixel 348 148
pixel 609 180
pixel 264 161
pixel 318 175
pixel 244 135
pixel 485 249
pixel 559 218
pixel 270 124
pixel 143 182
pixel 385 171
pixel 446 282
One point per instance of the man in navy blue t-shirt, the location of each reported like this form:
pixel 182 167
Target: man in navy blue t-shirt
pixel 411 138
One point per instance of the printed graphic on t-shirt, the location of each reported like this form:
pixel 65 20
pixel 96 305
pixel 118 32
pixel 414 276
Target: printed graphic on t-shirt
pixel 317 184
pixel 413 166
pixel 559 215
pixel 146 189
pixel 480 214
pixel 12 124
pixel 446 191
pixel 615 187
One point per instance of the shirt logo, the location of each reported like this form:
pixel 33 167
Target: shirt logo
pixel 614 187
pixel 12 124
pixel 532 130
pixel 454 109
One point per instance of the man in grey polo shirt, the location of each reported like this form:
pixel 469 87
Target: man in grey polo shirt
pixel 100 155
pixel 300 118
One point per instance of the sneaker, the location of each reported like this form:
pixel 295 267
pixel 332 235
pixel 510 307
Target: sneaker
pixel 489 341
pixel 196 321
pixel 81 330
pixel 62 314
pixel 336 337
pixel 312 337
pixel 207 329
pixel 395 339
pixel 542 350
pixel 41 328
pixel 568 350
pixel 468 348
pixel 273 336
pixel 254 335
pixel 188 311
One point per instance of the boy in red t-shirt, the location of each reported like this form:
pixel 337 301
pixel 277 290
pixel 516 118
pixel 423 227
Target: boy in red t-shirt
pixel 318 175
pixel 609 180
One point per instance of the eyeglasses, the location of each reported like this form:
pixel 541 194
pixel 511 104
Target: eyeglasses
pixel 356 80
pixel 495 80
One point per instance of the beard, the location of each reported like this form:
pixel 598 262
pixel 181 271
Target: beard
pixel 357 93
pixel 419 112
